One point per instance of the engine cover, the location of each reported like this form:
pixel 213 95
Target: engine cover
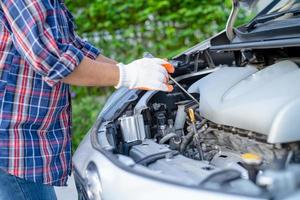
pixel 265 101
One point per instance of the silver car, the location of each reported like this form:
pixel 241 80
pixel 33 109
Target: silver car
pixel 229 130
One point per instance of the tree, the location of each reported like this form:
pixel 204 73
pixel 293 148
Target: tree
pixel 126 29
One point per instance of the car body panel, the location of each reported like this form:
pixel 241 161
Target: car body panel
pixel 118 183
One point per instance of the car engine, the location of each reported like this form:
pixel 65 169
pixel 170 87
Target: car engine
pixel 241 137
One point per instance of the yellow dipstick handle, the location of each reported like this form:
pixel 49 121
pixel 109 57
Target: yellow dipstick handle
pixel 192 115
pixel 251 159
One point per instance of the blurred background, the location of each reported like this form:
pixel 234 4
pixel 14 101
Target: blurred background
pixel 124 30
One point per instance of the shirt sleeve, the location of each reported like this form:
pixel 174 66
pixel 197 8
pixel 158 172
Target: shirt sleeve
pixel 36 36
pixel 87 48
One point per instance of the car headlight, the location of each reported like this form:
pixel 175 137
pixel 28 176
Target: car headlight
pixel 93 186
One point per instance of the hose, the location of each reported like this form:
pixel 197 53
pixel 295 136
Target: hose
pixel 187 139
pixel 167 138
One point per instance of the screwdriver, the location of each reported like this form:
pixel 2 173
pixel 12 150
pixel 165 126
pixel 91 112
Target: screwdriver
pixel 149 55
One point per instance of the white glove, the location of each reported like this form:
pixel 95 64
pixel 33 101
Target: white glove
pixel 146 74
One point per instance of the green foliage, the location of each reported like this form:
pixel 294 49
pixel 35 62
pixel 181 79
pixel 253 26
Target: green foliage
pixel 126 29
pixel 85 111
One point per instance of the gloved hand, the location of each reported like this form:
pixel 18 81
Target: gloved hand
pixel 146 74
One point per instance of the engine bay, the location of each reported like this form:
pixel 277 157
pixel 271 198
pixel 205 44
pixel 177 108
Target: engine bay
pixel 242 137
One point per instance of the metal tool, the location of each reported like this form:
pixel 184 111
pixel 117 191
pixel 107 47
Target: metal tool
pixel 149 55
pixel 184 90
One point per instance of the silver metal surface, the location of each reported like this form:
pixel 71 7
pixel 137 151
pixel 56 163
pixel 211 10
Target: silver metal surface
pixel 101 136
pixel 184 170
pixel 180 169
pixel 132 128
pixel 177 168
pixel 231 20
pixel 281 182
pixel 119 183
pixel 226 159
pixel 142 104
pixel 266 101
pixel 146 149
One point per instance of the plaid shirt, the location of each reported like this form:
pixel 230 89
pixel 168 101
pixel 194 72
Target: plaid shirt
pixel 38 47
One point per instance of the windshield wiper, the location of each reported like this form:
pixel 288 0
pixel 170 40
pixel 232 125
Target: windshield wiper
pixel 270 17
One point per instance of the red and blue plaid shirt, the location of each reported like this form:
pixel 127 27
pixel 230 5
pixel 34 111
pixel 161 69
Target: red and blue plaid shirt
pixel 38 48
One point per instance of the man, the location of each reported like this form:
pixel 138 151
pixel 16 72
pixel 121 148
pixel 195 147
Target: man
pixel 40 56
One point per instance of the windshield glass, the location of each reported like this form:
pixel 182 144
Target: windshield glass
pixel 285 5
pixel 271 6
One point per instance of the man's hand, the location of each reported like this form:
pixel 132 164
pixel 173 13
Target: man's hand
pixel 146 74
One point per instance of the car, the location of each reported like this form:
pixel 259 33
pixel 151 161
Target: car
pixel 229 130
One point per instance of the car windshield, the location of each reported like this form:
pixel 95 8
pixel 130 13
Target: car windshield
pixel 271 7
pixel 284 6
pixel 268 10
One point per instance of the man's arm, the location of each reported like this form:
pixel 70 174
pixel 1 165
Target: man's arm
pixel 100 72
pixel 102 58
pixel 56 61
pixel 38 40
pixel 90 51
pixel 145 74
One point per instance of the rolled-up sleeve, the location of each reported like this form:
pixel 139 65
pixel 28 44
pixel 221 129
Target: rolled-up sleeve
pixel 38 39
pixel 87 48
